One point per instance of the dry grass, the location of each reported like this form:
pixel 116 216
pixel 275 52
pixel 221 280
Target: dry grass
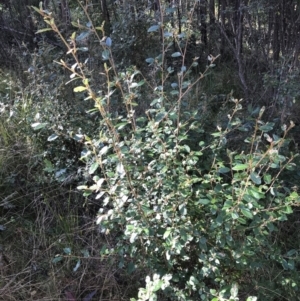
pixel 40 221
pixel 47 229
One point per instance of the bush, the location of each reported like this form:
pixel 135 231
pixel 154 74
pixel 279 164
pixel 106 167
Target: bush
pixel 202 219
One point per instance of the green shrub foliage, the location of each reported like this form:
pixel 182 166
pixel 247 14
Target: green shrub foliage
pixel 200 216
pixel 185 209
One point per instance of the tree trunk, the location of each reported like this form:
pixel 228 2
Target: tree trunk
pixel 203 24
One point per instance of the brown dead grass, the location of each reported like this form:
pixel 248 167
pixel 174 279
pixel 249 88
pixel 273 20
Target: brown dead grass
pixel 38 233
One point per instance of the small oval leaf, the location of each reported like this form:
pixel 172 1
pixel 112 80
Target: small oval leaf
pixel 93 168
pixel 240 167
pixel 223 170
pixel 108 42
pixel 44 29
pixel 77 266
pixel 247 213
pixel 82 36
pixel 150 60
pixel 38 125
pixel 52 137
pixel 176 54
pixel 57 259
pixel 105 55
pixel 153 28
pixel 234 215
pixel 79 89
pixel 168 34
pixel 255 178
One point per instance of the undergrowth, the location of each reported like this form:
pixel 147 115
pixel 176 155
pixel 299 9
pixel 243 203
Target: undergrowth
pixel 183 196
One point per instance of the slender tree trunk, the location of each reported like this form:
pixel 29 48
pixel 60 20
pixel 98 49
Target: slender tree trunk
pixel 105 16
pixel 179 10
pixel 221 13
pixel 203 25
pixel 276 42
pixel 212 17
pixel 65 13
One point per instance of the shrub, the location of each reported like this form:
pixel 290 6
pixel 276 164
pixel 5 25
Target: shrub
pixel 201 218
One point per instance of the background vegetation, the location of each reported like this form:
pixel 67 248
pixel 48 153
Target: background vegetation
pixel 149 150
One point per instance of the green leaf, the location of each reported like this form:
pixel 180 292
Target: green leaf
pixel 234 215
pixel 78 137
pixel 167 233
pixel 170 70
pixel 251 298
pixel 147 210
pixel 121 125
pixel 288 210
pixel 202 243
pixel 104 150
pixel 271 227
pixel 79 89
pixel 254 191
pixel 261 111
pixel 291 252
pixel 83 36
pixel 219 219
pixel 255 178
pixel 234 290
pixel 160 116
pixel 247 213
pixel 52 137
pixel 157 285
pixel 133 85
pixel 288 265
pixel 85 253
pixel 82 187
pixel 105 54
pixel 150 60
pixel 170 10
pixel 67 251
pixel 49 166
pixel 267 127
pixel 120 170
pixel 57 259
pixel 267 178
pixel 44 29
pixel 242 221
pixel 187 148
pixel 140 83
pixel 131 267
pixel 83 49
pixel 36 9
pixel 93 167
pixel 77 266
pixel 248 198
pixel 168 34
pixel 176 54
pixel 38 125
pixel 204 201
pixel 223 169
pixel 153 28
pixel 75 24
pixel 240 167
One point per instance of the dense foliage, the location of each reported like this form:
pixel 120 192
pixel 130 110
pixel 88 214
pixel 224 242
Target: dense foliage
pixel 133 104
